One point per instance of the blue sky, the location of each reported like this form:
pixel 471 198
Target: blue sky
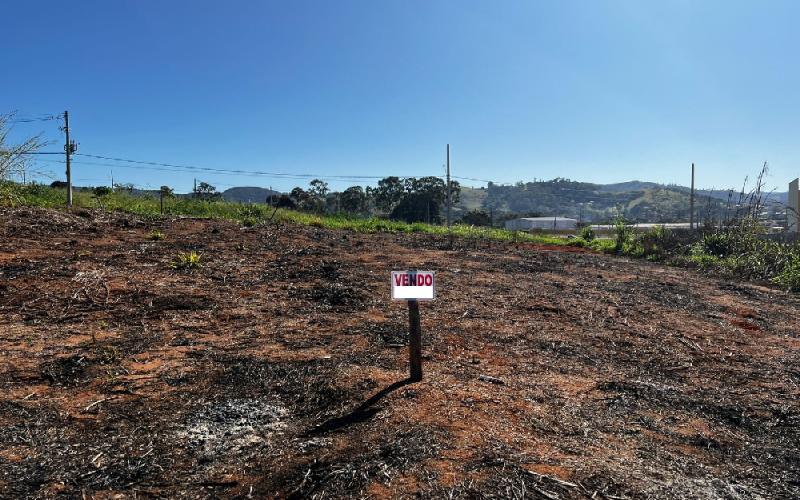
pixel 600 91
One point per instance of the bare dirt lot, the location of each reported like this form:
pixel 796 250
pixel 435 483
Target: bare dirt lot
pixel 277 369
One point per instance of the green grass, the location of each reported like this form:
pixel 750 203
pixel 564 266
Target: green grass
pixel 254 214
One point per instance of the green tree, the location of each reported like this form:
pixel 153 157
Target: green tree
pixel 206 191
pixel 477 218
pixel 418 207
pixel 315 201
pixel 388 194
pixel 318 188
pixel 354 199
pixel 434 187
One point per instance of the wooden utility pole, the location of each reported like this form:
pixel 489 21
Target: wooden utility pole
pixel 414 341
pixel 68 152
pixel 448 186
pixel 691 202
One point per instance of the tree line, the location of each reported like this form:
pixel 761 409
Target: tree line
pixel 410 199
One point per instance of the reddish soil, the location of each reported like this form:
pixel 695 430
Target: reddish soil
pixel 277 369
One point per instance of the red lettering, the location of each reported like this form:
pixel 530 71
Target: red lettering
pixel 398 278
pixel 428 280
pixel 405 280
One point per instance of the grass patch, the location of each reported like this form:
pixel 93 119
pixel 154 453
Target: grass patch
pixel 253 214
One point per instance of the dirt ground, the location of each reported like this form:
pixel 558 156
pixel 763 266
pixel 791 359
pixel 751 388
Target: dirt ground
pixel 278 368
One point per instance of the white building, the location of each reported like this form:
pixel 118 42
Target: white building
pixel 544 223
pixel 792 207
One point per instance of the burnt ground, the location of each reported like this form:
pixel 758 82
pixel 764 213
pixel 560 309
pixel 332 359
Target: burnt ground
pixel 277 369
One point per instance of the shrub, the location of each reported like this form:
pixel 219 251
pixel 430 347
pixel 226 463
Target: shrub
pixel 9 196
pixel 789 277
pixel 623 235
pixel 587 233
pixel 718 244
pixel 156 235
pixel 655 242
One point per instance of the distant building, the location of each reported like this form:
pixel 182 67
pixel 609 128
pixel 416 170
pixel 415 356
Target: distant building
pixel 543 223
pixel 792 207
pixel 643 226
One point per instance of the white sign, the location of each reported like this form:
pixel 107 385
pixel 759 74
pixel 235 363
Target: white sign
pixel 413 285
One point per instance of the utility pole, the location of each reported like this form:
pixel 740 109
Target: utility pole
pixel 448 186
pixel 68 150
pixel 691 202
pixel 112 180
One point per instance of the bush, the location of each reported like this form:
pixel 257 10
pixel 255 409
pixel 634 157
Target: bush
pixel 789 277
pixel 654 243
pixel 719 243
pixel 623 236
pixel 8 195
pixel 587 233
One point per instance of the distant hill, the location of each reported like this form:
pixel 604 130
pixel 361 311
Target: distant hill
pixel 636 200
pixel 248 194
pixel 621 187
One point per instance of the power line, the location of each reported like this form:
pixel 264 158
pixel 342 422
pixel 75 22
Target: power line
pixel 473 179
pixel 234 171
pixel 172 167
pixel 34 119
pixel 195 168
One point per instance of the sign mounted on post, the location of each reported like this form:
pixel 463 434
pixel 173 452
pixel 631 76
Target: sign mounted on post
pixel 413 285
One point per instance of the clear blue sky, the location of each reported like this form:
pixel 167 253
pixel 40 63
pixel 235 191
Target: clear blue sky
pixel 601 91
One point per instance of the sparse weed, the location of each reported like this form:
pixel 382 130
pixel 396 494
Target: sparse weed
pixel 187 260
pixel 156 235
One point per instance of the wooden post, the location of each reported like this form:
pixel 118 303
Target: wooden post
pixel 161 199
pixel 414 341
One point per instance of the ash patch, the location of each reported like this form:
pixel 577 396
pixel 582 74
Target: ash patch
pixel 349 476
pixel 385 333
pixel 336 296
pixel 308 388
pixel 67 371
pixel 232 427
